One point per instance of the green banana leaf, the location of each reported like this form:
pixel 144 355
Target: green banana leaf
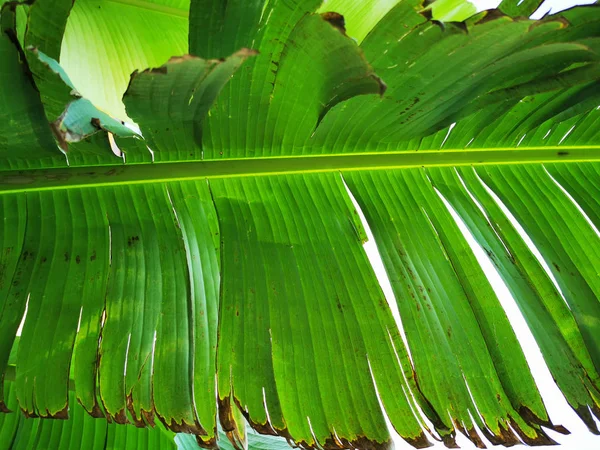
pixel 81 431
pixel 207 264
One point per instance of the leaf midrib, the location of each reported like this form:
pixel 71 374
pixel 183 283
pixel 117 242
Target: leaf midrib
pixel 154 7
pixel 97 176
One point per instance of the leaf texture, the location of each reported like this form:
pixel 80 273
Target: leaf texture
pixel 215 272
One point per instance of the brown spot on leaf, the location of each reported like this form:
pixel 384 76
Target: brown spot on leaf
pixel 449 440
pixel 419 441
pixel 560 429
pixel 159 70
pixel 410 106
pixel 137 421
pixel 489 15
pixel 474 437
pixel 427 13
pixel 29 414
pixel 226 418
pixel 208 443
pixel 505 436
pixel 336 20
pixel 63 414
pixel 96 411
pixel 183 427
pixel 96 123
pixel 556 266
pixel 541 439
pixel 532 418
pixel 120 417
pixel 78 259
pixel 59 135
pixel 583 411
pixel 148 417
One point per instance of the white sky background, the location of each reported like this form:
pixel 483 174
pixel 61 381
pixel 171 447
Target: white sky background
pixel 559 410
